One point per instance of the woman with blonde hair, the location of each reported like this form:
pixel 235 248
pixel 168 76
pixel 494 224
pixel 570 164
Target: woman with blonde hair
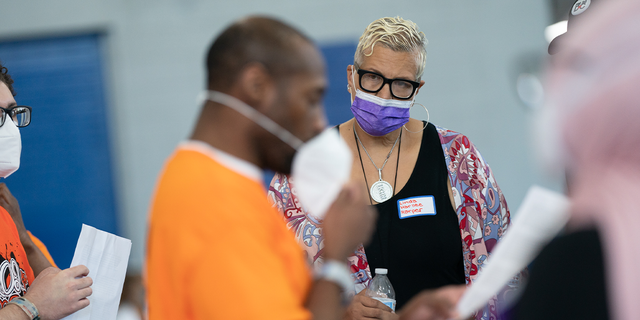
pixel 441 211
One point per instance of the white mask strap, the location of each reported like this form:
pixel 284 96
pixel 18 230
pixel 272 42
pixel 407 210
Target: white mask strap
pixel 353 80
pixel 253 114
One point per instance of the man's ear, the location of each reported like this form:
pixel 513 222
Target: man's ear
pixel 257 86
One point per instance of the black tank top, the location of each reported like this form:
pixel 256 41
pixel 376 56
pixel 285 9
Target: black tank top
pixel 422 250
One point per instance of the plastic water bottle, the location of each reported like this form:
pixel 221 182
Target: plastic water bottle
pixel 380 288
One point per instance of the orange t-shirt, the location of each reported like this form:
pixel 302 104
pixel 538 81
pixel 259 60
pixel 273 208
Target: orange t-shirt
pixel 217 249
pixel 16 271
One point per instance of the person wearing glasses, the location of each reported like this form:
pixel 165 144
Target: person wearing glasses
pixel 31 287
pixel 441 211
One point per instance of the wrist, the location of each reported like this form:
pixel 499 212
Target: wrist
pixel 11 311
pixel 337 272
pixel 27 308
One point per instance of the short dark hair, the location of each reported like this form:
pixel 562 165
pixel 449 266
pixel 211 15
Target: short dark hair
pixel 254 39
pixel 6 78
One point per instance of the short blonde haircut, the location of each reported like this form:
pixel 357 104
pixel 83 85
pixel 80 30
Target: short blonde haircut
pixel 396 34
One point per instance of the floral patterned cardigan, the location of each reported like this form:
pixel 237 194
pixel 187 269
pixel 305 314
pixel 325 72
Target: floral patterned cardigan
pixel 482 211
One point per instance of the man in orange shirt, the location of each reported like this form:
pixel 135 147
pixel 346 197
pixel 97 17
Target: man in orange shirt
pixel 216 247
pixel 31 287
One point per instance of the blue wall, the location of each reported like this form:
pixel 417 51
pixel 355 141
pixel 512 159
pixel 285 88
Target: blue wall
pixel 337 101
pixel 65 177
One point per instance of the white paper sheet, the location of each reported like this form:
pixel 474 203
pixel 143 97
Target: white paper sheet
pixel 106 255
pixel 541 216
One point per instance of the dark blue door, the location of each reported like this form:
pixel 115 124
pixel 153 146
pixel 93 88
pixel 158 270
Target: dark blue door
pixel 337 101
pixel 65 177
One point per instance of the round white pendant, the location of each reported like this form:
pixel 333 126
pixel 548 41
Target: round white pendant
pixel 381 191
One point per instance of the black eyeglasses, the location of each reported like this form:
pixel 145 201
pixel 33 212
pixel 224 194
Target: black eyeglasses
pixel 400 88
pixel 20 115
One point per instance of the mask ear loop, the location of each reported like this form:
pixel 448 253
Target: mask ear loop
pixel 353 80
pixel 425 125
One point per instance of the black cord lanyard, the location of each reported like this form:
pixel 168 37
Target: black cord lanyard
pixel 384 248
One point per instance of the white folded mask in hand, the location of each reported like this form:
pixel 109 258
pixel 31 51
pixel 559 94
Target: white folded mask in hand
pixel 320 168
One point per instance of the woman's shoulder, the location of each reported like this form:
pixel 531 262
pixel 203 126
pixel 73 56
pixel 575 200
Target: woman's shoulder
pixel 446 133
pixel 450 138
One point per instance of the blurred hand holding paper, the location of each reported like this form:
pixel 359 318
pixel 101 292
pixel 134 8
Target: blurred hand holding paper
pixel 106 255
pixel 541 216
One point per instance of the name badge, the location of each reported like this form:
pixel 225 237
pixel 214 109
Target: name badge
pixel 416 206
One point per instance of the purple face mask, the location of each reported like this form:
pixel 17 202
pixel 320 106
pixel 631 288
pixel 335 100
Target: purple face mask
pixel 377 116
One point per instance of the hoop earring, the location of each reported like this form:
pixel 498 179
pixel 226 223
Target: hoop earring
pixel 425 125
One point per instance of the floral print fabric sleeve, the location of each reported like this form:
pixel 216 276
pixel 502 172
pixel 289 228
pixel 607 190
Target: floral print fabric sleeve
pixel 308 231
pixel 482 210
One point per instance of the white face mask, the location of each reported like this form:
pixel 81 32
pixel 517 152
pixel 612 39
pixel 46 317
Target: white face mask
pixel 10 148
pixel 321 166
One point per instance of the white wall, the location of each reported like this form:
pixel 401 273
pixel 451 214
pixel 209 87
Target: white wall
pixel 156 54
